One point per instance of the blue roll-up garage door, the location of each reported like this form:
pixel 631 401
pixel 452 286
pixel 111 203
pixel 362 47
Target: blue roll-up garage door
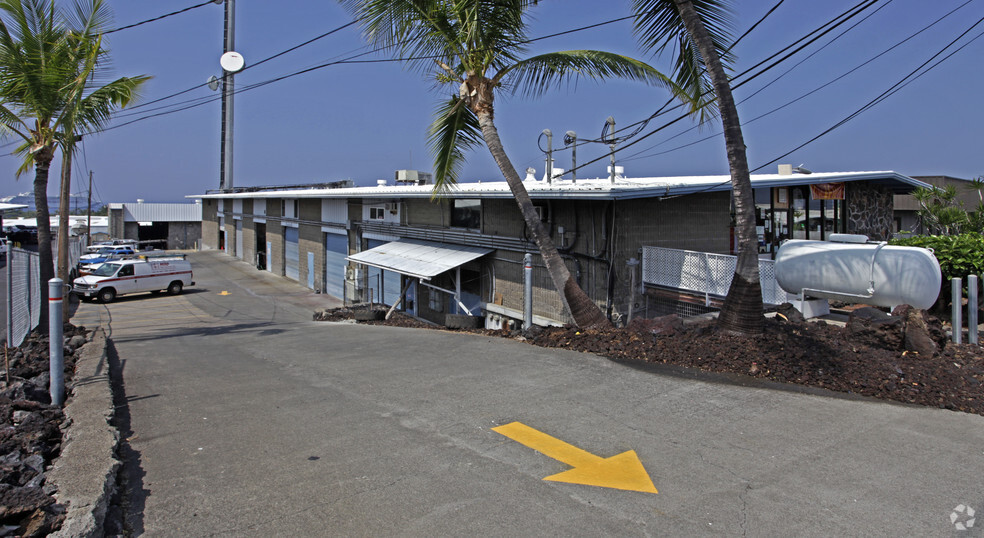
pixel 336 248
pixel 292 257
pixel 385 284
pixel 239 239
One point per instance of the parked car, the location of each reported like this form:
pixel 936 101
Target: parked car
pixel 89 262
pixel 123 277
pixel 132 243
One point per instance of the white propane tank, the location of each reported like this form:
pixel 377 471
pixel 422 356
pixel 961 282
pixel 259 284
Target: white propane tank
pixel 860 272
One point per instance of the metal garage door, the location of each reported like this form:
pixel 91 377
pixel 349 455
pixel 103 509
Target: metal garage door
pixel 336 248
pixel 292 257
pixel 385 284
pixel 239 239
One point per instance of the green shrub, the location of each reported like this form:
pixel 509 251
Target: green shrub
pixel 959 256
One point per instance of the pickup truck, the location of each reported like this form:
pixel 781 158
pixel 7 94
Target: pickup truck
pixel 122 277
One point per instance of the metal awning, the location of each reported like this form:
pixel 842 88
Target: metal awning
pixel 420 259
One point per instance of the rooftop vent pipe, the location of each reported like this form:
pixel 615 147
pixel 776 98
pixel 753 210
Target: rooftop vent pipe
pixel 530 174
pixel 548 170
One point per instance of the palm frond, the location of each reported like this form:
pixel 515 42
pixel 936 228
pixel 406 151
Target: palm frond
pixel 659 27
pixel 454 131
pixel 535 76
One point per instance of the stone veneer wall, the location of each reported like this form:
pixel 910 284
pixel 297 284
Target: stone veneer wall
pixel 869 211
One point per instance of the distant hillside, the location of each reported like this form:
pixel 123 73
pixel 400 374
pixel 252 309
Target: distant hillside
pixel 78 203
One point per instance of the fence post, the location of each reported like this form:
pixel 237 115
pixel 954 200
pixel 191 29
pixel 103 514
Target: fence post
pixel 972 309
pixel 956 297
pixel 527 291
pixel 10 294
pixel 56 344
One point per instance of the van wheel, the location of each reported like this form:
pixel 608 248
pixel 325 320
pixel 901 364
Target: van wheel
pixel 107 295
pixel 174 288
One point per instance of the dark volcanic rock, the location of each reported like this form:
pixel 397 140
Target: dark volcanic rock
pixel 869 326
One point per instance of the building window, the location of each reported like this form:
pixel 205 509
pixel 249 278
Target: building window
pixel 466 213
pixel 377 213
pixel 297 209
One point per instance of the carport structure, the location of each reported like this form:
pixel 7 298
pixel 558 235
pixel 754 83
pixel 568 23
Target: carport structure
pixel 420 261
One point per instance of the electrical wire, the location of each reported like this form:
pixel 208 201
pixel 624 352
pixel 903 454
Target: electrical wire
pixel 904 81
pixel 351 60
pixel 796 47
pixel 639 155
pixel 127 27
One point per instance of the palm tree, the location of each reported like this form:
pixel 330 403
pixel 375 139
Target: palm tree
pixel 476 47
pixel 91 105
pixel 700 30
pixel 47 65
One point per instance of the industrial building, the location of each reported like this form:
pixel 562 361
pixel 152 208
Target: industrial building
pixel 161 226
pixel 636 245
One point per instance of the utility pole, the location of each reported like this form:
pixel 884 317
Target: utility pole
pixel 88 225
pixel 228 91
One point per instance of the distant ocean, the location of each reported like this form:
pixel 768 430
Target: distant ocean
pixel 78 203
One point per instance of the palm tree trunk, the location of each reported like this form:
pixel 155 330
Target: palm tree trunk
pixel 742 312
pixel 585 312
pixel 47 268
pixel 64 205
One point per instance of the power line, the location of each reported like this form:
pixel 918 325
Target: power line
pixel 639 155
pixel 796 47
pixel 350 60
pixel 904 81
pixel 127 27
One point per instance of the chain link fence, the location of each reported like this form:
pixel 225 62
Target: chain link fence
pixel 23 305
pixel 23 294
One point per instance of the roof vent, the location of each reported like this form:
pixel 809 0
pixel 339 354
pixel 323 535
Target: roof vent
pixel 785 169
pixel 619 172
pixel 140 200
pixel 530 174
pixel 380 182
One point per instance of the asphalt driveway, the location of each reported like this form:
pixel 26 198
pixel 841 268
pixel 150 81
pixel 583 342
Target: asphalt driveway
pixel 247 418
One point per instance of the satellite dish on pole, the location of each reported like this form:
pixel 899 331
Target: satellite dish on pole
pixel 232 62
pixel 213 83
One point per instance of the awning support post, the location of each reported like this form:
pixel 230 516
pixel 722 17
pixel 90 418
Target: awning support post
pixel 457 289
pixel 527 291
pixel 403 295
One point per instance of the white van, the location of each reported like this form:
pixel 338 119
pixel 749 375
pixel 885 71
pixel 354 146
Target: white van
pixel 122 277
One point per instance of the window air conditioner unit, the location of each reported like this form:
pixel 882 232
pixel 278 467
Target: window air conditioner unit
pixel 392 207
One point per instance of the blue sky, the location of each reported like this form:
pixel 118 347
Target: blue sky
pixel 363 121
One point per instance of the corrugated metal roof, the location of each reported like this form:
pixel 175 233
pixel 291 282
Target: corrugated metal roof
pixel 623 188
pixel 161 212
pixel 421 259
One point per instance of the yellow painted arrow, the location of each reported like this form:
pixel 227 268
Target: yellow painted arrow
pixel 623 471
pixel 224 293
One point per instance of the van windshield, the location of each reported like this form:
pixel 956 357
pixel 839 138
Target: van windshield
pixel 106 269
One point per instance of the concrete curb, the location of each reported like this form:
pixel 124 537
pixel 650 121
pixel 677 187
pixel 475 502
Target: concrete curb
pixel 85 472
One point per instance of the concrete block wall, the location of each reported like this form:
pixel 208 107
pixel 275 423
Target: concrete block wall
pixel 183 235
pixel 421 212
pixel 210 224
pixel 230 229
pixel 310 239
pixel 275 236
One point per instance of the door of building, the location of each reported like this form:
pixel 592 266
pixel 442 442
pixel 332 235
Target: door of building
pixel 336 248
pixel 292 256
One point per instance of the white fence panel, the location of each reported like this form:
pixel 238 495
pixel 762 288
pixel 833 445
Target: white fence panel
pixel 23 295
pixel 704 273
